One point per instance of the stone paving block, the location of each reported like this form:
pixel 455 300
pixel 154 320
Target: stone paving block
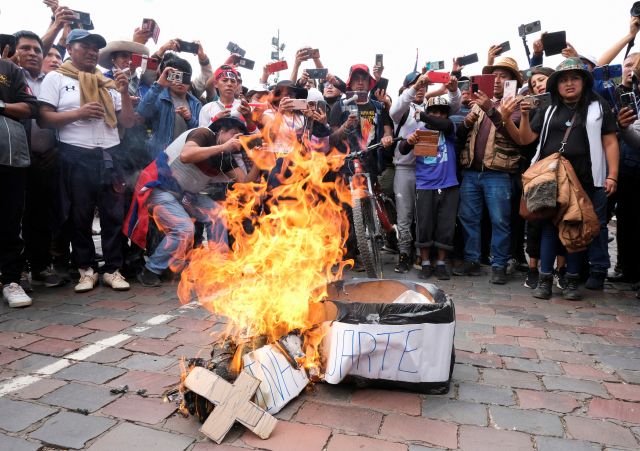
pixel 461 412
pixel 72 430
pixel 574 385
pixel 144 362
pixel 469 346
pixel 38 389
pixel 549 401
pixel 290 409
pixel 631 377
pixel 143 317
pixel 328 393
pixel 17 444
pixel 70 308
pixel 532 366
pixel 138 438
pixel 618 410
pixel 288 437
pixel 618 362
pixel 52 346
pixel 492 339
pixel 465 373
pixel 497 321
pixel 422 448
pixel 190 352
pixel 524 316
pixel 474 327
pixel 113 295
pixel 68 319
pixel 546 343
pixel 605 332
pixel 512 351
pixel 155 384
pixel 191 324
pixel 626 325
pixel 77 396
pixel 526 421
pixel 569 357
pixel 17 340
pixel 624 341
pixel 149 331
pixel 511 379
pixel 600 432
pixel 351 419
pixel 624 391
pixel 32 363
pixel 558 444
pixel 628 352
pixel 486 394
pixel 587 372
pixel 89 372
pixel 189 426
pixel 103 335
pixel 151 346
pixel 22 325
pixel 9 355
pixel 63 332
pixel 341 442
pixel 18 415
pixel 111 313
pixel 106 324
pixel 408 403
pixel 150 308
pixel 144 410
pixel 194 313
pixel 75 299
pixel 118 305
pixel 109 355
pixel 474 438
pixel 521 331
pixel 406 428
pixel 27 313
pixel 484 360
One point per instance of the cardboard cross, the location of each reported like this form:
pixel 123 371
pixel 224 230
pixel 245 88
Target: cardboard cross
pixel 232 403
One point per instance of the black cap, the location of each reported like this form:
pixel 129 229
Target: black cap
pixel 411 78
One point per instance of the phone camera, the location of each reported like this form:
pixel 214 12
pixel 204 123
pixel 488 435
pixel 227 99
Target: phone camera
pixel 529 28
pixel 536 102
pixel 635 9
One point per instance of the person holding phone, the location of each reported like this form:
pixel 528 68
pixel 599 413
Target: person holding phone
pixel 282 123
pixel 591 147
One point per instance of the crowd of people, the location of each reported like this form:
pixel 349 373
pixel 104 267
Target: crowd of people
pixel 89 126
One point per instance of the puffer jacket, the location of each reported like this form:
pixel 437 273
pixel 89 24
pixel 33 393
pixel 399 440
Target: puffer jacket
pixel 576 219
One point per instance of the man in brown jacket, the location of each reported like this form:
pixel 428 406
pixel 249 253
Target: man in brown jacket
pixel 489 159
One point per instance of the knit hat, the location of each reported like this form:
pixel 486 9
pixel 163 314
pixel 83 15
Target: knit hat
pixel 314 95
pixel 505 63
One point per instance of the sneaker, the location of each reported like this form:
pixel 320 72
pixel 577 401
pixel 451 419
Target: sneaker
pixel 88 280
pixel 403 264
pixel 148 278
pixel 571 292
pixel 532 278
pixel 426 271
pixel 62 271
pixel 48 278
pixel 25 283
pixel 441 272
pixel 559 278
pixel 116 281
pixel 596 281
pixel 498 275
pixel 15 295
pixel 467 268
pixel 512 266
pixel 418 264
pixel 390 248
pixel 543 291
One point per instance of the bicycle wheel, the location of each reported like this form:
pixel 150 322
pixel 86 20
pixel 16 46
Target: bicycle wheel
pixel 364 222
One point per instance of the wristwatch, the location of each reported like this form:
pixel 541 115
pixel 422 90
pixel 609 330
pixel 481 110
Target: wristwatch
pixel 3 106
pixel 491 111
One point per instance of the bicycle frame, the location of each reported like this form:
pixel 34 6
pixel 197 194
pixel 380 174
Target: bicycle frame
pixel 371 194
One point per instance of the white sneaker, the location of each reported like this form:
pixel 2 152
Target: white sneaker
pixel 512 266
pixel 15 296
pixel 116 281
pixel 88 280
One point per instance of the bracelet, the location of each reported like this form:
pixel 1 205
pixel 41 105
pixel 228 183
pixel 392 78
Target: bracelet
pixel 609 178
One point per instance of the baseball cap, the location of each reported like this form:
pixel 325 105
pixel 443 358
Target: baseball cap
pixel 411 78
pixel 364 68
pixel 79 34
pixel 225 71
pixel 592 59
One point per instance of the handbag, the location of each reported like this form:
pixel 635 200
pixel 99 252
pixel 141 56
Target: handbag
pixel 547 212
pixel 427 145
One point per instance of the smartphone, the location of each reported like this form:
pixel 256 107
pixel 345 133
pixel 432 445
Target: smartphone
pixel 299 104
pixel 136 60
pixel 554 43
pixel 607 72
pixel 318 74
pixel 8 40
pixel 179 77
pixel 322 106
pixel 505 47
pixel 278 66
pixel 250 141
pixel 189 47
pixel 362 95
pixel 439 77
pixel 382 84
pixel 151 25
pixel 82 18
pixel 463 85
pixel 243 62
pixel 482 83
pixel 529 28
pixel 379 60
pixel 313 53
pixel 628 100
pixel 436 65
pixel 538 101
pixel 234 48
pixel 510 88
pixel 469 59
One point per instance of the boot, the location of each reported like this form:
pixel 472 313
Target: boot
pixel 571 293
pixel 545 283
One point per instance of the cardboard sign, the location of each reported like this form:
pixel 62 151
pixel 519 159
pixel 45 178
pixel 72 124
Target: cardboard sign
pixel 280 381
pixel 409 353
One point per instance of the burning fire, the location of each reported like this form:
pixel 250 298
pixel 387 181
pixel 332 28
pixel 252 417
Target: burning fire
pixel 266 283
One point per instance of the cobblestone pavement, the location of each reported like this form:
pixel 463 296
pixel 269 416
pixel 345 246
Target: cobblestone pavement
pixel 529 374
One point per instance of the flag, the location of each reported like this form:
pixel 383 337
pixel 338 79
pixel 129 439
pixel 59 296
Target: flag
pixel 415 68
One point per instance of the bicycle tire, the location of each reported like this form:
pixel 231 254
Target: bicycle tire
pixel 364 224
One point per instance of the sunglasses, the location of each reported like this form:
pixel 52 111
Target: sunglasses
pixel 329 85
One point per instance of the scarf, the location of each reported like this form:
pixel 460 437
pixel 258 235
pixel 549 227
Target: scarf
pixel 93 88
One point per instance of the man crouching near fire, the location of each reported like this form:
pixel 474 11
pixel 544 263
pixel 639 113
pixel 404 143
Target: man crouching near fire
pixel 169 190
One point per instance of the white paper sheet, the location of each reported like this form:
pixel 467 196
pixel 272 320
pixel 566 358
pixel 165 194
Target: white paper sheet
pixel 410 353
pixel 280 381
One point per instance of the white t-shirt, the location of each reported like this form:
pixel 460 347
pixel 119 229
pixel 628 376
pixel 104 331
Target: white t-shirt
pixel 288 133
pixel 209 111
pixel 63 93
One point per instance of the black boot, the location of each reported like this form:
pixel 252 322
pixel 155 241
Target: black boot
pixel 403 264
pixel 498 275
pixel 571 293
pixel 148 278
pixel 545 283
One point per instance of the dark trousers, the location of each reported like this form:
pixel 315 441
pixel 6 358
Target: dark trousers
pixel 436 213
pixel 628 215
pixel 60 244
pixel 12 186
pixel 35 223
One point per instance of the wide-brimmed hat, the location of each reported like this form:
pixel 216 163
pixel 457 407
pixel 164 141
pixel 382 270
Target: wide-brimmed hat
pixel 505 63
pixel 572 63
pixel 363 68
pixel 120 46
pixel 228 123
pixel 288 85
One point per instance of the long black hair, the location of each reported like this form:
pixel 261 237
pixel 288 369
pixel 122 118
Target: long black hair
pixel 586 98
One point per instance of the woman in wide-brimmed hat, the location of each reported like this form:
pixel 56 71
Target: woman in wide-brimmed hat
pixel 590 148
pixel 118 55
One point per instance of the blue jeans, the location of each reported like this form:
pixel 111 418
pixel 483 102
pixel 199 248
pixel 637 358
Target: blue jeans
pixel 598 250
pixel 174 219
pixel 494 188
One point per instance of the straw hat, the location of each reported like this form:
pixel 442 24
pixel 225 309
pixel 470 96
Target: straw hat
pixel 506 63
pixel 120 46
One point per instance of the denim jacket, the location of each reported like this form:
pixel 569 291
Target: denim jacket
pixel 158 106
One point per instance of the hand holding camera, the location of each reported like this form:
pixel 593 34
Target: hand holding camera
pixel 413 139
pixel 302 55
pixel 452 86
pixel 53 4
pixel 286 104
pixel 507 107
pixel 223 113
pixel 122 83
pixel 171 45
pixel 483 101
pixel 377 72
pixel 456 67
pixel 423 81
pixel 320 116
pixel 634 26
pixel 494 51
pixel 471 119
pixel 538 47
pixel 142 35
pixel 230 61
pixel 233 145
pixel 626 117
pixel 569 52
pixel 163 80
pixel 63 16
